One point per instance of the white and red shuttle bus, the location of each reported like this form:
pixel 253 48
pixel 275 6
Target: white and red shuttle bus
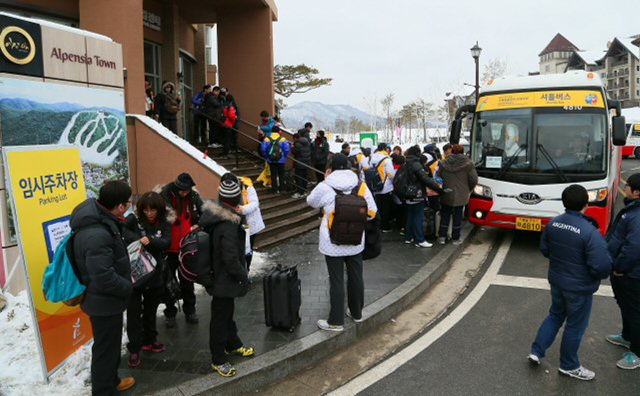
pixel 532 137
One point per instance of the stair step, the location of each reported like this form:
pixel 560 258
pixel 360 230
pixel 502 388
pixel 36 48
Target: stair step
pixel 286 224
pixel 270 241
pixel 288 212
pixel 277 204
pixel 252 173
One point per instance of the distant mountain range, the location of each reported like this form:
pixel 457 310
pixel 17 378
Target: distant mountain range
pixel 26 104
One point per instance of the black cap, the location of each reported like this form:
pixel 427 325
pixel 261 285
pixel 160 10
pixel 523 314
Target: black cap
pixel 634 182
pixel 339 162
pixel 184 182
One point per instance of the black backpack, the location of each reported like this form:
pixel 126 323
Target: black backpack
pixel 349 218
pixel 195 258
pixel 373 179
pixel 275 152
pixel 405 187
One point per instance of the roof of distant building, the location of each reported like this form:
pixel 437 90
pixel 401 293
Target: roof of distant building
pixel 558 43
pixel 627 43
pixel 591 57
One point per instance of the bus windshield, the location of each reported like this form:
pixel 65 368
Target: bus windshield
pixel 540 140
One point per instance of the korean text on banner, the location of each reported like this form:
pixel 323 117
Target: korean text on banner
pixel 562 98
pixel 46 184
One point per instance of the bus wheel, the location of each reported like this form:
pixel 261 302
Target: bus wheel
pixel 636 152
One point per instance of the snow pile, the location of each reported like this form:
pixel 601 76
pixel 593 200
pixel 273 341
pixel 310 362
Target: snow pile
pixel 260 264
pixel 180 143
pixel 20 370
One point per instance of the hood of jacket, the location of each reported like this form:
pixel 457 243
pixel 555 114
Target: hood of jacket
pixel 342 180
pixel 90 213
pixel 213 213
pixel 457 163
pixel 169 84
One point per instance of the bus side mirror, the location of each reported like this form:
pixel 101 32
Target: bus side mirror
pixel 619 131
pixel 456 127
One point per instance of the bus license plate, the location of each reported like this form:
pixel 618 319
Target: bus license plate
pixel 528 224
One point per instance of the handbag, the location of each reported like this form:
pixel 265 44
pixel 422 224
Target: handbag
pixel 372 242
pixel 143 264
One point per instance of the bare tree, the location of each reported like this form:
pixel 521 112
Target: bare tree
pixel 424 111
pixel 493 69
pixel 387 109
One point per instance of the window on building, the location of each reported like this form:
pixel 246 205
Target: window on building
pixel 547 68
pixel 152 70
pixel 186 90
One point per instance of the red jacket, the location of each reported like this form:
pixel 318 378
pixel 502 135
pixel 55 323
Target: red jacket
pixel 229 116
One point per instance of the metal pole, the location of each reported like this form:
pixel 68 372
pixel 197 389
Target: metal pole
pixel 477 77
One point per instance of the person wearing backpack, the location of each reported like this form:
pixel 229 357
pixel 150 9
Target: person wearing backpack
pixel 320 155
pixel 151 226
pixel 275 149
pixel 411 183
pixel 199 120
pixel 167 104
pixel 230 276
pixel 342 190
pixel 103 263
pixel 181 197
pixel 381 169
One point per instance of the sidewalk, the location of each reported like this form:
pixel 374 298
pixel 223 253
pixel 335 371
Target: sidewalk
pixel 187 356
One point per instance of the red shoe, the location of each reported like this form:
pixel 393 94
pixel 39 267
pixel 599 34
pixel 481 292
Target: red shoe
pixel 154 347
pixel 134 360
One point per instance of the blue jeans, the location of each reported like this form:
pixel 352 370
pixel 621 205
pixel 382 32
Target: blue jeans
pixel 446 212
pixel 415 229
pixel 576 309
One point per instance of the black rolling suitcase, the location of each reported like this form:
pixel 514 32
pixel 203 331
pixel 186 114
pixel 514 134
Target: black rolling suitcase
pixel 282 298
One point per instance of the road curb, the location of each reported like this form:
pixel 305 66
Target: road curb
pixel 296 355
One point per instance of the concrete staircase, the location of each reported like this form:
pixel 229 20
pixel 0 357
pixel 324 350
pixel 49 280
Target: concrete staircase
pixel 285 217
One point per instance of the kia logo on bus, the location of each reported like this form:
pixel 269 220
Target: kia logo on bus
pixel 528 198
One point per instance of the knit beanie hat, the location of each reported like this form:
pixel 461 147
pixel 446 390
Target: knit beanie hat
pixel 184 182
pixel 229 191
pixel 339 162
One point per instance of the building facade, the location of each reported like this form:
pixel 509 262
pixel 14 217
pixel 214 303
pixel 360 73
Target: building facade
pixel 172 40
pixel 555 56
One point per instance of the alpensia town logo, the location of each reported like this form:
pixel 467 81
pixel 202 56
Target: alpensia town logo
pixel 17 45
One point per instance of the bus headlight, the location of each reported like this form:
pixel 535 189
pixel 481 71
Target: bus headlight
pixel 483 191
pixel 598 195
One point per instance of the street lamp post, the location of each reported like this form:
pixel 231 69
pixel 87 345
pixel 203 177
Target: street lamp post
pixel 475 53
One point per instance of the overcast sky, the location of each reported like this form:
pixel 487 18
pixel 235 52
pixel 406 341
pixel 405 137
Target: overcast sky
pixel 420 48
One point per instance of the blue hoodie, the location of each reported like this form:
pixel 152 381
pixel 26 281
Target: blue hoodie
pixel 577 253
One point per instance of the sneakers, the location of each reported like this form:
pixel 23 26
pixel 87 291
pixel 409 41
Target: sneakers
pixel 616 339
pixel 242 351
pixel 401 231
pixel 154 347
pixel 193 318
pixel 134 360
pixel 580 373
pixel 442 240
pixel 324 325
pixel 409 242
pixel 297 195
pixel 170 323
pixel 125 383
pixel 457 241
pixel 629 361
pixel 352 318
pixel 387 231
pixel 534 359
pixel 424 244
pixel 225 370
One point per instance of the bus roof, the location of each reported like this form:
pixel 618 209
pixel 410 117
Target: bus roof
pixel 573 78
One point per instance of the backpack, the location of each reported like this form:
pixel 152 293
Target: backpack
pixel 405 188
pixel 372 241
pixel 275 151
pixel 373 179
pixel 195 258
pixel 62 280
pixel 349 218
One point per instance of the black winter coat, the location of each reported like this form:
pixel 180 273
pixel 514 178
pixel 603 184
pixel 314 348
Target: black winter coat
pixel 418 174
pixel 214 107
pixel 228 262
pixel 102 259
pixel 302 151
pixel 320 150
pixel 159 235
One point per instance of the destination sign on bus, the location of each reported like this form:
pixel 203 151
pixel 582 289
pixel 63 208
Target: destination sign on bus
pixel 571 100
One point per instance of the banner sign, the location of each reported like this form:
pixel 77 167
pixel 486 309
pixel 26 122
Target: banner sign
pixel 46 184
pixel 518 100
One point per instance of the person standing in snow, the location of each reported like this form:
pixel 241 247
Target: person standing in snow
pixel 167 105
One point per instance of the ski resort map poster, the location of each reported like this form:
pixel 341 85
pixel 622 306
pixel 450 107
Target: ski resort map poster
pixel 46 183
pixel 93 119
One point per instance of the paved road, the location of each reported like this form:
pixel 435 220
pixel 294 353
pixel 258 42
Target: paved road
pixel 480 347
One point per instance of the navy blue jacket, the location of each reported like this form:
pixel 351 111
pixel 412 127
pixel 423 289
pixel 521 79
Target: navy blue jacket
pixel 577 252
pixel 624 240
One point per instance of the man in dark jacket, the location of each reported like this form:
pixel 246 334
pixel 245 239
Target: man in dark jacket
pixel 320 155
pixel 414 230
pixel 459 174
pixel 167 105
pixel 230 277
pixel 578 260
pixel 103 262
pixel 213 110
pixel 302 153
pixel 181 198
pixel 200 121
pixel 624 247
pixel 306 131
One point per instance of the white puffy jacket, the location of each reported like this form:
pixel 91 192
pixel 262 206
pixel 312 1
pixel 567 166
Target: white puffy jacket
pixel 251 208
pixel 387 172
pixel 323 197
